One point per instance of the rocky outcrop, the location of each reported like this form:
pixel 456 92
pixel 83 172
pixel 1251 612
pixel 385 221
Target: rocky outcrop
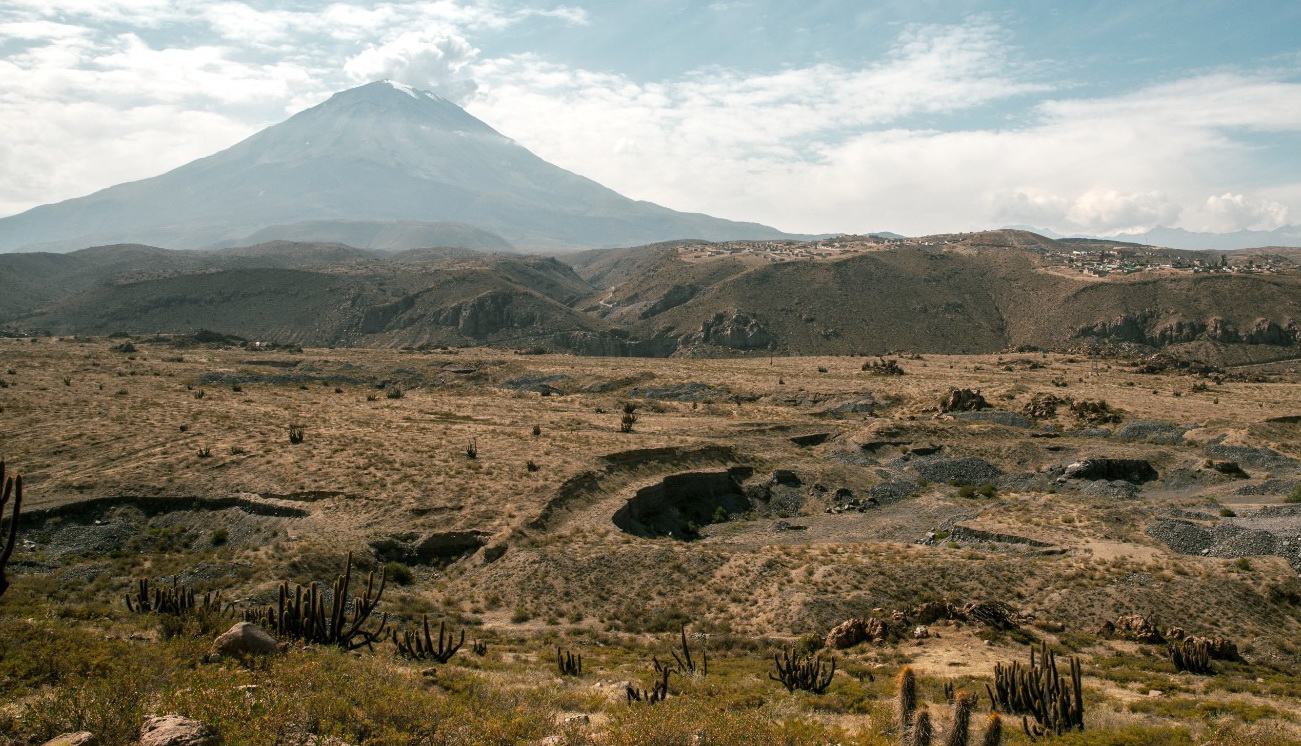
pixel 1134 627
pixel 1146 328
pixel 734 329
pixel 676 296
pixel 963 400
pixel 487 314
pixel 854 631
pixel 613 343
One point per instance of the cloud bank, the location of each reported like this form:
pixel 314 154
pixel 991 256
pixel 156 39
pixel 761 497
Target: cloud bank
pixel 951 129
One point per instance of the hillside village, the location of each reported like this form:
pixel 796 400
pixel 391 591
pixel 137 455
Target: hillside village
pixel 1089 257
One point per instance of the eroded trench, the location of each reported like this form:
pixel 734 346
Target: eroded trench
pixel 679 505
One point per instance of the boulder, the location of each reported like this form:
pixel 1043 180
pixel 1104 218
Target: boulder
pixel 963 400
pixel 1222 648
pixel 991 613
pixel 1228 468
pixel 850 633
pixel 174 730
pixel 1134 627
pixel 83 738
pixel 245 638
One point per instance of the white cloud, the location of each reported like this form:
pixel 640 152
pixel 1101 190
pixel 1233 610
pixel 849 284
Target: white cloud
pixel 433 61
pixel 823 148
pixel 96 97
pixel 1112 212
pixel 1230 212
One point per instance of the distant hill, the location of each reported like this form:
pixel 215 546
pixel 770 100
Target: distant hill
pixel 380 166
pixel 957 293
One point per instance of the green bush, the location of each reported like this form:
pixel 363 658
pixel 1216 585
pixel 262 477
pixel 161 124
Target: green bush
pixel 1294 496
pixel 398 573
pixel 985 490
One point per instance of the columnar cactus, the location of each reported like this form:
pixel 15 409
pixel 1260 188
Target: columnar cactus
pixel 13 486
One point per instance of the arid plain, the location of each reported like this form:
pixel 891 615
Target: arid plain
pixel 759 501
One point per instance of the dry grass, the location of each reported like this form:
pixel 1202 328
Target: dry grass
pixel 128 426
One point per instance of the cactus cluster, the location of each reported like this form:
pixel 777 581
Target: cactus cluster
pixel 916 728
pixel 177 600
pixel 804 672
pixel 570 664
pixel 658 691
pixel 412 645
pixel 13 486
pixel 1040 691
pixel 312 616
pixel 685 663
pixel 1192 655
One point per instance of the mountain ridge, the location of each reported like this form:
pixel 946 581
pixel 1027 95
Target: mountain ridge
pixel 960 293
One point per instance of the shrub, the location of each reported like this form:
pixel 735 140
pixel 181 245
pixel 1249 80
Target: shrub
pixel 398 572
pixel 1294 496
pixel 219 537
pixel 985 490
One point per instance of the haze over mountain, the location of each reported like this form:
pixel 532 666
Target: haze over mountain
pixel 377 153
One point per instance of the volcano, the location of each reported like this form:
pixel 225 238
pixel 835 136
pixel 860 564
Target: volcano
pixel 369 157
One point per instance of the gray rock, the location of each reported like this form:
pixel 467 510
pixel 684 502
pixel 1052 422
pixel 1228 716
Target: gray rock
pixel 1153 431
pixel 1265 459
pixel 1117 489
pixel 1268 487
pixel 968 470
pixel 245 638
pixel 892 491
pixel 174 730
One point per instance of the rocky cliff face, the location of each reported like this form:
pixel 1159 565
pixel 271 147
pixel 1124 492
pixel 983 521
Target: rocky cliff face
pixel 1147 327
pixel 733 329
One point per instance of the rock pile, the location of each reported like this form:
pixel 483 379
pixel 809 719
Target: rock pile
pixel 854 631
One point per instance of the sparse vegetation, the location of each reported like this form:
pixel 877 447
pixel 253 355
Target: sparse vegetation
pixel 528 562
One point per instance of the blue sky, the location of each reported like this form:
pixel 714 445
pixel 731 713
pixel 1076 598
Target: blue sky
pixel 820 116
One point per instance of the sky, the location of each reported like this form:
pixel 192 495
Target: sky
pixel 823 116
